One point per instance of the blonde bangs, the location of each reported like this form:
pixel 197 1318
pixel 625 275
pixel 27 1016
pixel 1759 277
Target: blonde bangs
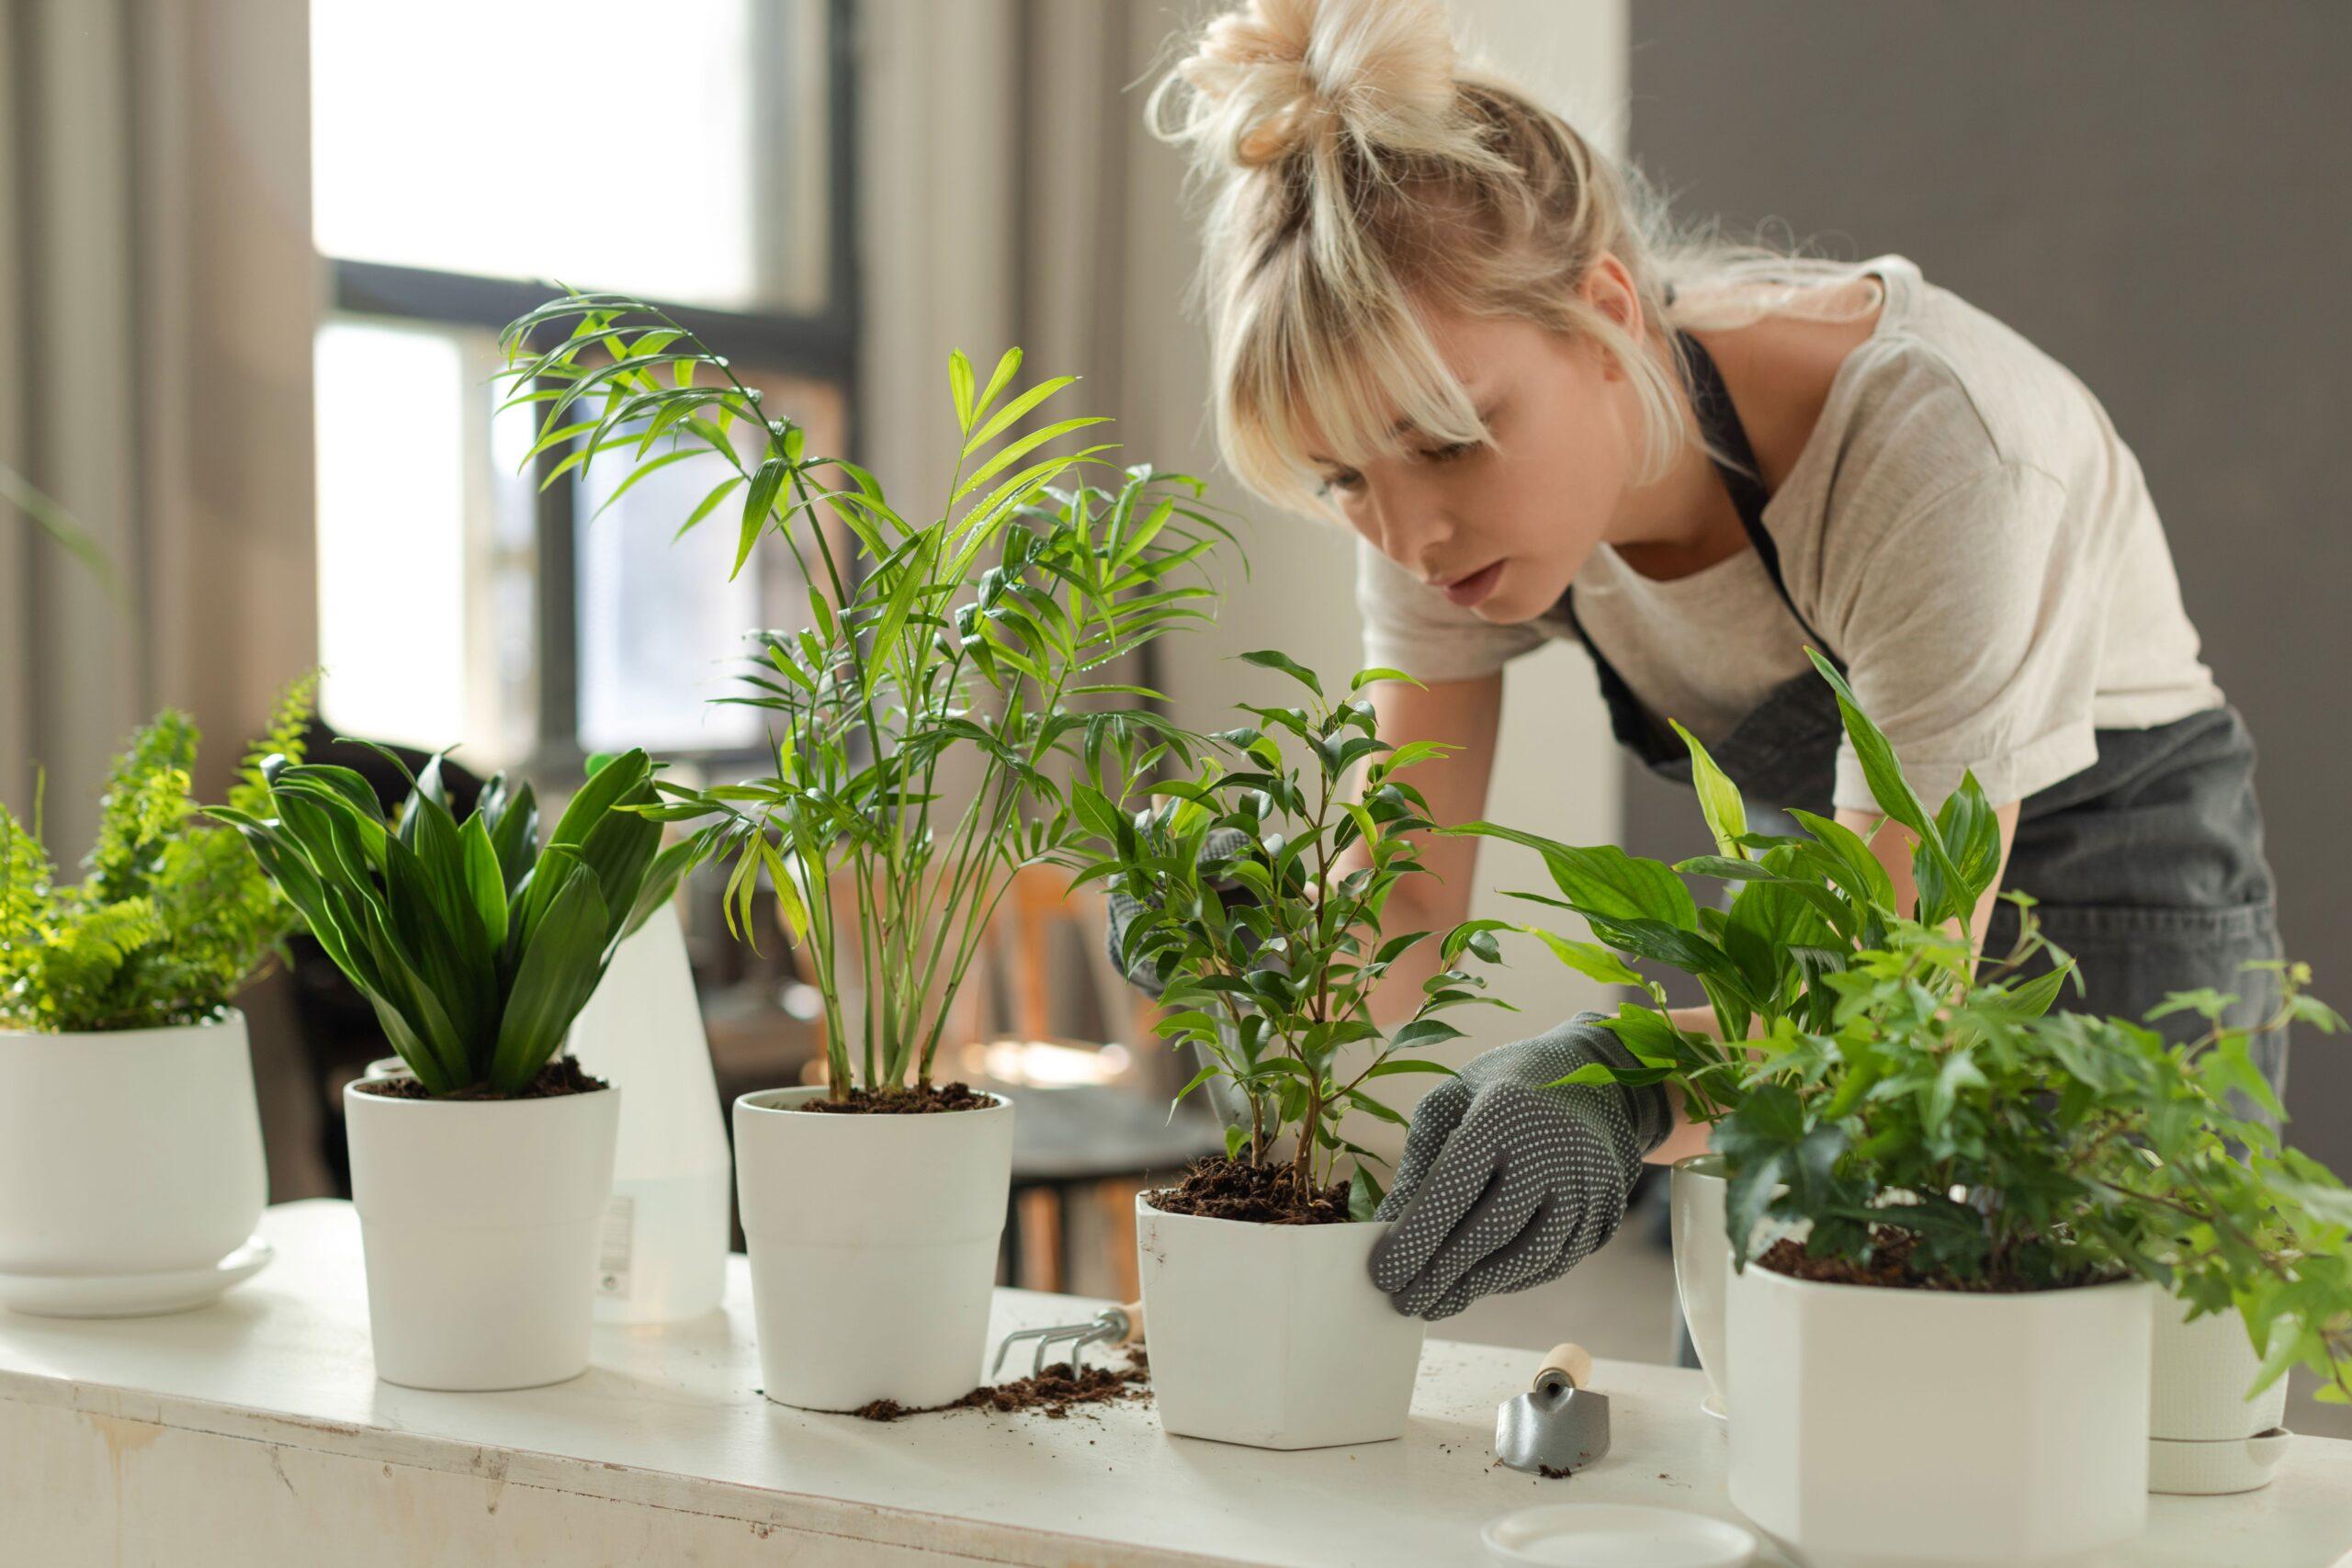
pixel 1305 373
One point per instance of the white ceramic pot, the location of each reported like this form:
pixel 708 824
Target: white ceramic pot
pixel 1695 1189
pixel 874 1247
pixel 479 1219
pixel 2204 1436
pixel 1900 1426
pixel 1272 1335
pixel 134 1152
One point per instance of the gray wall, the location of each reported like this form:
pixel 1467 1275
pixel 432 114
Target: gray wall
pixel 2156 192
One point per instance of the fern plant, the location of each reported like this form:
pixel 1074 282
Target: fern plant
pixel 170 916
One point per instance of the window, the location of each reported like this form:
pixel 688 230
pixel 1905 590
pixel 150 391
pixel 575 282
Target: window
pixel 463 154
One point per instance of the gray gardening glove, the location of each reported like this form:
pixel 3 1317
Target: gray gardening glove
pixel 1507 1184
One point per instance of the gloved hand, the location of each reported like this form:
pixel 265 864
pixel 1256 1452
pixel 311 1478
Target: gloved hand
pixel 1220 843
pixel 1506 1183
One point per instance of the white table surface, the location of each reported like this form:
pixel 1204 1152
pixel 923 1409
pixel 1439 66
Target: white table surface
pixel 665 1453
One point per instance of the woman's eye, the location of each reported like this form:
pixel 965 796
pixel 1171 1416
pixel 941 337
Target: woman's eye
pixel 1450 451
pixel 1347 481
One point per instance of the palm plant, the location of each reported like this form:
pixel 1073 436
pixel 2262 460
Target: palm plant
pixel 475 947
pixel 976 630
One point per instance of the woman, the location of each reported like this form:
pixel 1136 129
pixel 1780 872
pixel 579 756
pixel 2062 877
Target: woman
pixel 1441 316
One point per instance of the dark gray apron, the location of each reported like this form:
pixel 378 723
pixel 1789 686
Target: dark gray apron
pixel 2148 864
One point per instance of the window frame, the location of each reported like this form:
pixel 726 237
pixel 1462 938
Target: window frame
pixel 821 344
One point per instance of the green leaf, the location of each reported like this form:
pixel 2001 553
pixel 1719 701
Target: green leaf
pixel 1364 1195
pixel 1271 659
pixel 1719 799
pixel 759 499
pixel 1883 773
pixel 1587 958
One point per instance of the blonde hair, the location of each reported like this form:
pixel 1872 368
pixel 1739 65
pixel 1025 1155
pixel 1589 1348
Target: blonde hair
pixel 1362 174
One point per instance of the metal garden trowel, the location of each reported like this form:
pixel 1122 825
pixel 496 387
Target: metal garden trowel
pixel 1559 1425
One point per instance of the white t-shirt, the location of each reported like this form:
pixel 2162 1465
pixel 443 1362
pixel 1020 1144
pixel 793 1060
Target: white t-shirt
pixel 1963 528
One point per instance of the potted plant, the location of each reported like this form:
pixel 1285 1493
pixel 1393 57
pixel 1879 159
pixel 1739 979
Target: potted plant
pixel 1954 1164
pixel 481 1173
pixel 131 1155
pixel 923 725
pixel 1265 1326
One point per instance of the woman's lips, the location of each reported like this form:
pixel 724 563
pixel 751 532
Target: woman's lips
pixel 1473 589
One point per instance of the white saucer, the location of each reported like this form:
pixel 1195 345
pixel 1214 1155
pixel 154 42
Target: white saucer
pixel 132 1296
pixel 1615 1535
pixel 1714 1406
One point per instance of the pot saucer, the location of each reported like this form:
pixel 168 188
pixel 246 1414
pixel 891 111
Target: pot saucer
pixel 1713 1407
pixel 133 1295
pixel 1616 1535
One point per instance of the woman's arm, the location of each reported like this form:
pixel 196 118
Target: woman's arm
pixel 1463 714
pixel 1892 843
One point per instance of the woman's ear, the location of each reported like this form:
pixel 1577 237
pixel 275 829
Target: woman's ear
pixel 1608 289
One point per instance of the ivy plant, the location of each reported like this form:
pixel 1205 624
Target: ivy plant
pixel 950 682
pixel 1262 882
pixel 170 916
pixel 1901 1103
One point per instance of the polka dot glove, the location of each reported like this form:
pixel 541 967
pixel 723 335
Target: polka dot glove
pixel 1506 1183
pixel 1221 843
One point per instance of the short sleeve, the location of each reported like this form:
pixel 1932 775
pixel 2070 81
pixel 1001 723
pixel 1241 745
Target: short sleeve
pixel 1410 626
pixel 1971 632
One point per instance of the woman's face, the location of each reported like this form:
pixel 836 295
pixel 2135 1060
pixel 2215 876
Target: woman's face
pixel 1501 529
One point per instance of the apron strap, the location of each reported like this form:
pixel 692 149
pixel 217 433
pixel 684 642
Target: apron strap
pixel 1719 422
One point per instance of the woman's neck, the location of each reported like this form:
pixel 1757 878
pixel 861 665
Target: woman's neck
pixel 1778 371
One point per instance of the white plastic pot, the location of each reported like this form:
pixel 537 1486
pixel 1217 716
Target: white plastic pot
pixel 1272 1335
pixel 2205 1437
pixel 1695 1189
pixel 479 1219
pixel 129 1153
pixel 1881 1426
pixel 663 1254
pixel 874 1247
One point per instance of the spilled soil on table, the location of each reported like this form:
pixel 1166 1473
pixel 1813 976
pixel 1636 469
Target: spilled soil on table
pixel 1221 1189
pixel 1054 1393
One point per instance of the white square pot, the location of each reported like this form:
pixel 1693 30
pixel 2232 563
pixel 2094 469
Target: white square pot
pixel 1884 1428
pixel 874 1247
pixel 1272 1335
pixel 479 1219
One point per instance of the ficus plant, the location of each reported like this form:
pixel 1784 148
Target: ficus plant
pixel 1259 886
pixel 475 945
pixel 926 726
pixel 170 916
pixel 1924 1114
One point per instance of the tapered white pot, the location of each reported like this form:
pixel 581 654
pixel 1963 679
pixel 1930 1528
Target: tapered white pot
pixel 874 1247
pixel 479 1219
pixel 1695 1189
pixel 1272 1335
pixel 131 1153
pixel 1889 1428
pixel 2204 1436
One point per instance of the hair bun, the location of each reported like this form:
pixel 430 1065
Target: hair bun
pixel 1273 77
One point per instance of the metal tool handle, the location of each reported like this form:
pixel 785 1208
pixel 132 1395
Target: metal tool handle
pixel 1567 1360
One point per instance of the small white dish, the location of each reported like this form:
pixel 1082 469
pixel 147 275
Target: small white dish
pixel 2216 1469
pixel 1615 1535
pixel 133 1295
pixel 1714 1406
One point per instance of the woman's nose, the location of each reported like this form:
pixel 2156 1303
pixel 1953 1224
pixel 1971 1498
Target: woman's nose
pixel 1408 528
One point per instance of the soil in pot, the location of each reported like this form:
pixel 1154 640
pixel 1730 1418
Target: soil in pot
pixel 1891 1265
pixel 560 1076
pixel 920 1099
pixel 1222 1188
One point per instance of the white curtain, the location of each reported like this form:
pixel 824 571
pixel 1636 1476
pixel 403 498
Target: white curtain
pixel 158 293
